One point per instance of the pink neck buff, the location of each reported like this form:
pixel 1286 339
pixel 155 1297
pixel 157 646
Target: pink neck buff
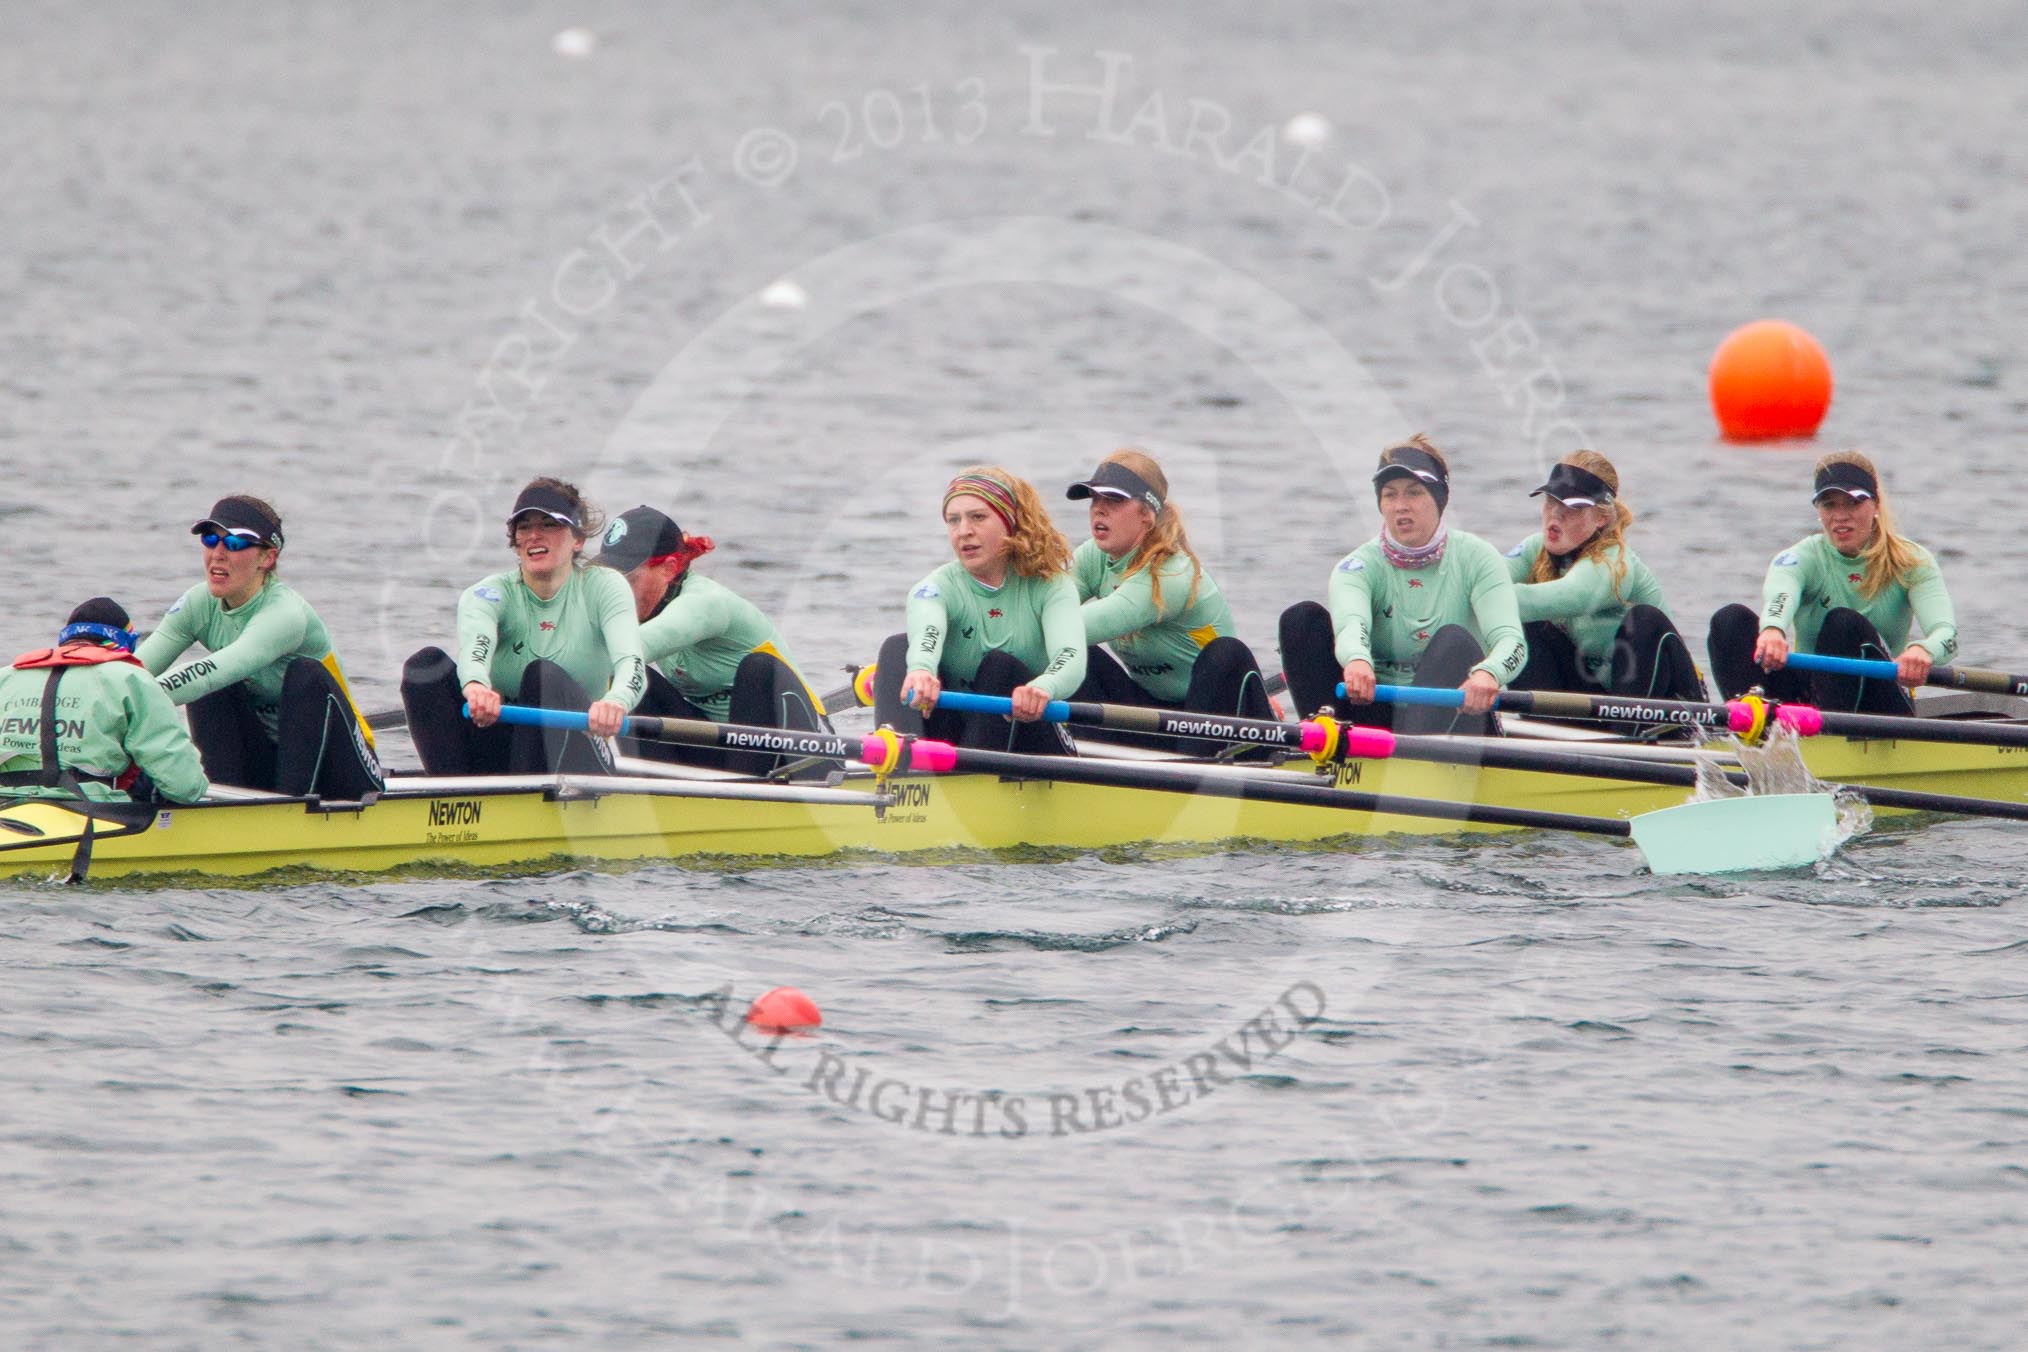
pixel 1423 556
pixel 997 495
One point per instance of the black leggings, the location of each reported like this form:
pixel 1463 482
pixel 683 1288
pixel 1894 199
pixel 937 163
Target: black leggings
pixel 1846 633
pixel 998 674
pixel 1310 662
pixel 1649 661
pixel 450 745
pixel 1225 679
pixel 766 693
pixel 318 748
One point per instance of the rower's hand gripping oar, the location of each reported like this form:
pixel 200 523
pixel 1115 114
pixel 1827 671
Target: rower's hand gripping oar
pixel 1952 678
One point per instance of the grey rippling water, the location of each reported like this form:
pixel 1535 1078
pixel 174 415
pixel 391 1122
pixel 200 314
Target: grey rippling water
pixel 1548 1100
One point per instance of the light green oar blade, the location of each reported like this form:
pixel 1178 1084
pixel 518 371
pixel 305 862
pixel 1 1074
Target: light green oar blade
pixel 1737 835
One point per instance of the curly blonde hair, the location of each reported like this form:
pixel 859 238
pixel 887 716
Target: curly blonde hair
pixel 1035 547
pixel 1611 536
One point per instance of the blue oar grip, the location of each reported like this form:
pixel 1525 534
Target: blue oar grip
pixel 569 720
pixel 965 702
pixel 1435 697
pixel 1844 666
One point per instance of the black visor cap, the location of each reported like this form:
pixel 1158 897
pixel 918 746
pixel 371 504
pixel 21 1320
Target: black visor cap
pixel 548 501
pixel 1112 479
pixel 1845 477
pixel 1574 487
pixel 241 515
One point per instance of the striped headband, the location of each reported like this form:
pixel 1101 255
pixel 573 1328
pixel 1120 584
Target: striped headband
pixel 995 494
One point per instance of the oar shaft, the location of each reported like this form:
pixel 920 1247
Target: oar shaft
pixel 1374 743
pixel 1977 678
pixel 1267 787
pixel 699 732
pixel 1566 704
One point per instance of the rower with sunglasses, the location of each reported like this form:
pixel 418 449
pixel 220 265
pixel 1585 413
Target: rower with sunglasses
pixel 267 700
pixel 1420 604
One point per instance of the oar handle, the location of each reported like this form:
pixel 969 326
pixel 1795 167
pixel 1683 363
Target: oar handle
pixel 965 702
pixel 1431 696
pixel 1844 666
pixel 528 716
pixel 1953 677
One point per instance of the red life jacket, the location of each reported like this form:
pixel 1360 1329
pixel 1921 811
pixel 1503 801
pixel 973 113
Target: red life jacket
pixel 73 655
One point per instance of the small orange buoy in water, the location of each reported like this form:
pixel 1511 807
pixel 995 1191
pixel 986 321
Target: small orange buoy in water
pixel 784 1010
pixel 1769 379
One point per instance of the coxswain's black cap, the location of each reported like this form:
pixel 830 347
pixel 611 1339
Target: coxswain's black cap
pixel 244 516
pixel 1845 477
pixel 1114 480
pixel 102 620
pixel 636 536
pixel 1575 487
pixel 550 502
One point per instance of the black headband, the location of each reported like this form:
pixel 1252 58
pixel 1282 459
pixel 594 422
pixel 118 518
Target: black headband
pixel 1575 487
pixel 1845 477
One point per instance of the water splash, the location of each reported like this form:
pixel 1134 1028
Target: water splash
pixel 1776 765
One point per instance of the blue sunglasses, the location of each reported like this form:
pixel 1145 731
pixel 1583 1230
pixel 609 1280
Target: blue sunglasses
pixel 233 543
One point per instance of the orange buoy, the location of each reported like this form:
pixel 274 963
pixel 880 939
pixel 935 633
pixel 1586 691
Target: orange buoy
pixel 1769 379
pixel 784 1010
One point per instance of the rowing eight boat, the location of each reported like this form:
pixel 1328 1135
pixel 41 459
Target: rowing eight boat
pixel 423 825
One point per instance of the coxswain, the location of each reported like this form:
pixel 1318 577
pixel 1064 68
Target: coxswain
pixel 711 653
pixel 267 699
pixel 1850 590
pixel 1144 591
pixel 547 633
pixel 1420 604
pixel 1000 619
pixel 1591 611
pixel 85 720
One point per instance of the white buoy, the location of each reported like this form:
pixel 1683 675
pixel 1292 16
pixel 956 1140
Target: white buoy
pixel 1306 130
pixel 784 295
pixel 574 42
